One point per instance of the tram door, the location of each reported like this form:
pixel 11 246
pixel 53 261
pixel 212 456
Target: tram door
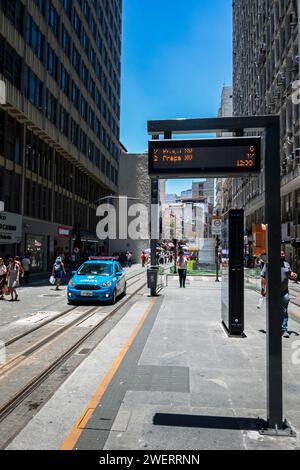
pixel 233 272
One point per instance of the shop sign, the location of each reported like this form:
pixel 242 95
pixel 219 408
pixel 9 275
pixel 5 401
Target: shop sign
pixel 10 228
pixel 63 232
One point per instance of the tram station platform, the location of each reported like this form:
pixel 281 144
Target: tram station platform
pixel 167 377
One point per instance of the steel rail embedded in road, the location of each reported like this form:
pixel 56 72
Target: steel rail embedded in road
pixel 20 357
pixel 17 399
pixel 51 320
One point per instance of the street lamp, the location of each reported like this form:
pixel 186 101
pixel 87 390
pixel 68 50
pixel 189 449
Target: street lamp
pixel 175 240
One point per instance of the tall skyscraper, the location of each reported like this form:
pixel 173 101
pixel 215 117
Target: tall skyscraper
pixel 59 130
pixel 224 185
pixel 266 67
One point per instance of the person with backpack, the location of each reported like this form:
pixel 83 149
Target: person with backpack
pixel 58 271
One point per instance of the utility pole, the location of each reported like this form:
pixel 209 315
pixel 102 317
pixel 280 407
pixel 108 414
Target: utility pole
pixel 217 257
pixel 175 255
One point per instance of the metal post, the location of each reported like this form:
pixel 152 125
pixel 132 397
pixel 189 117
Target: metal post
pixel 217 258
pixel 273 220
pixel 298 12
pixel 154 202
pixel 175 255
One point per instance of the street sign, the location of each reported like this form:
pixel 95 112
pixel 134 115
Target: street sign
pixel 216 226
pixel 2 92
pixel 10 228
pixel 239 156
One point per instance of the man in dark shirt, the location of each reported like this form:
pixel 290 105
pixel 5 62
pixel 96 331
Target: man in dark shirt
pixel 286 275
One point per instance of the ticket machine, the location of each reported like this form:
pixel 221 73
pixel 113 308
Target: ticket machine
pixel 233 272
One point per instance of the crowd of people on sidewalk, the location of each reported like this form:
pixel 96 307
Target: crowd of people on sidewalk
pixel 166 257
pixel 162 258
pixel 12 273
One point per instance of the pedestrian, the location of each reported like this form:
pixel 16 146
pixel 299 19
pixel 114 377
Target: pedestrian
pixel 261 260
pixel 58 271
pixel 128 258
pixel 286 275
pixel 13 278
pixel 26 267
pixel 143 259
pixel 3 273
pixel 19 262
pixel 262 298
pixel 182 269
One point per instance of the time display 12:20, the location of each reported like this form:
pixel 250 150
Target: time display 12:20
pixel 250 160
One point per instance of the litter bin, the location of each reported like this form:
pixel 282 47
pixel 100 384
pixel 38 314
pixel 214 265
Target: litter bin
pixel 152 278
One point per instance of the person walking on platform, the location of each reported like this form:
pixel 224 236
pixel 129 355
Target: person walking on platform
pixel 286 275
pixel 182 269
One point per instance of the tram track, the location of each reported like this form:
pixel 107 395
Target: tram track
pixel 16 338
pixel 16 399
pixel 19 357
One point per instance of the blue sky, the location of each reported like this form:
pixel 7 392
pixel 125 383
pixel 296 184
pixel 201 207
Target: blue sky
pixel 176 57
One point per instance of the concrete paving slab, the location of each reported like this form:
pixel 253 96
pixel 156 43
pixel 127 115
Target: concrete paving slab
pixel 227 383
pixel 50 427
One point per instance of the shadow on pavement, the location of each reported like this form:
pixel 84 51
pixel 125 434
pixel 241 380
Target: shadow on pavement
pixel 208 422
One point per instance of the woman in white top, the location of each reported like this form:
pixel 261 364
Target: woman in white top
pixel 182 269
pixel 13 278
pixel 3 272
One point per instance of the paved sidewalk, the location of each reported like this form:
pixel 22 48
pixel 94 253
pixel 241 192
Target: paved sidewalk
pixel 183 384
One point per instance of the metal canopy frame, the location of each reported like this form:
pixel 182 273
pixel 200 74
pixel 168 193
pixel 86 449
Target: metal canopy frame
pixel 270 125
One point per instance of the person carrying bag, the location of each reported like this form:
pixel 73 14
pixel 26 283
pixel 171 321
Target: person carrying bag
pixel 58 271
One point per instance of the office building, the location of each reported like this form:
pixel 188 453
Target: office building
pixel 59 129
pixel 224 185
pixel 266 67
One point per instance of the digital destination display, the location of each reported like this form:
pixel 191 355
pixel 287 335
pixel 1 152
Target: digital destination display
pixel 210 157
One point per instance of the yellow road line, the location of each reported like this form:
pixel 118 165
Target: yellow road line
pixel 81 422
